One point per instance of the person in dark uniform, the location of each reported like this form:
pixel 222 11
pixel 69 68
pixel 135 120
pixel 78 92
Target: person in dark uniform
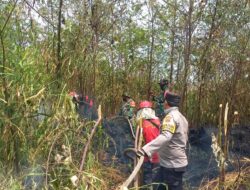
pixel 128 107
pixel 159 100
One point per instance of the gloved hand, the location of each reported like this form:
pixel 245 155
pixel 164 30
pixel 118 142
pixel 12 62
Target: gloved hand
pixel 140 153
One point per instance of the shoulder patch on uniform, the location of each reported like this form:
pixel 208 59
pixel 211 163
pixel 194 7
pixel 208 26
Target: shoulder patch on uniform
pixel 168 124
pixel 171 128
pixel 167 118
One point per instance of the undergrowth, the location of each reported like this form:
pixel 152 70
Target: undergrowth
pixel 50 147
pixel 239 180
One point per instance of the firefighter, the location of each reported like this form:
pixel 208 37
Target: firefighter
pixel 170 144
pixel 151 129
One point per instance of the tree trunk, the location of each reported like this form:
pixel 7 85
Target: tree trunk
pixel 151 55
pixel 178 69
pixel 204 65
pixel 53 34
pixel 95 40
pixel 6 94
pixel 237 73
pixel 172 46
pixel 187 52
pixel 59 42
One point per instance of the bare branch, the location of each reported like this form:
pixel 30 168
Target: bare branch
pixel 6 22
pixel 46 19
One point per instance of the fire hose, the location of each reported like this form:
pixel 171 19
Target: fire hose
pixel 137 168
pixel 137 163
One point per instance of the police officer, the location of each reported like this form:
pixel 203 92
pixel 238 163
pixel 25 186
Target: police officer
pixel 159 100
pixel 170 144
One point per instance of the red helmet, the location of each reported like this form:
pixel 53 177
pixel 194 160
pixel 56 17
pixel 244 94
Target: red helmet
pixel 145 104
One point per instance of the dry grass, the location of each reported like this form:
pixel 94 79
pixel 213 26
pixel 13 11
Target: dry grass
pixel 113 176
pixel 239 180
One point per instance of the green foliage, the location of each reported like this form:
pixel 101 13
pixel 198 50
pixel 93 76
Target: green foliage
pixel 105 50
pixel 8 182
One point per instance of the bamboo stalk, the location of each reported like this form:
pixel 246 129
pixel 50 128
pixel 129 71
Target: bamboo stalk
pixel 137 137
pixel 224 147
pixel 220 143
pixel 138 145
pixel 226 132
pixel 84 155
pixel 225 119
